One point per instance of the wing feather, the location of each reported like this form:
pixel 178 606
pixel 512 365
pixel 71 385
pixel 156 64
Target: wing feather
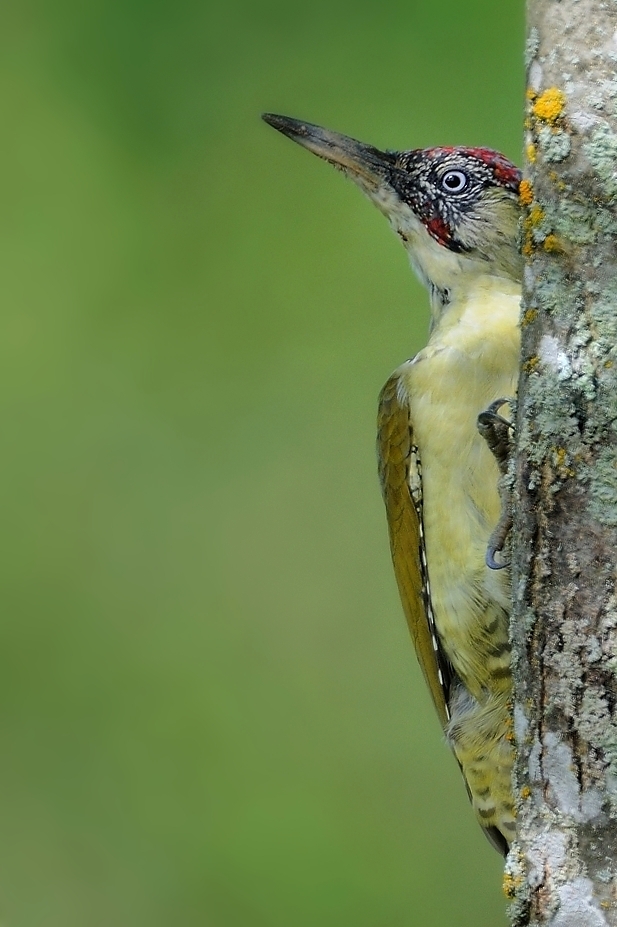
pixel 401 483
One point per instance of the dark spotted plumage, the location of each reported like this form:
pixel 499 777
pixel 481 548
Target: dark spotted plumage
pixel 418 178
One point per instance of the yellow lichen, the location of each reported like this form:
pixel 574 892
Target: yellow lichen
pixel 549 105
pixel 531 94
pixel 531 153
pixel 529 316
pixel 510 884
pixel 525 792
pixel 525 191
pixel 560 456
pixel 551 243
pixel 553 176
pixel 530 365
pixel 531 236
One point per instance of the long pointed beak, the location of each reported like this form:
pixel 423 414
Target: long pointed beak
pixel 362 162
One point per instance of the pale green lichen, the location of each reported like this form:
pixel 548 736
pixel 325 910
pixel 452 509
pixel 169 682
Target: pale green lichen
pixel 603 487
pixel 604 320
pixel 554 143
pixel 608 743
pixel 597 100
pixel 532 45
pixel 529 619
pixel 609 92
pixel 606 221
pixel 556 298
pixel 601 149
pixel 516 887
pixel 554 422
pixel 572 221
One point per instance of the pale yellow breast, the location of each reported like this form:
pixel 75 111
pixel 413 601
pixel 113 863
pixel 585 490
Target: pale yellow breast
pixel 471 360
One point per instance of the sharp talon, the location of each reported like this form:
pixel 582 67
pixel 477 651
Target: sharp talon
pixel 491 418
pixel 490 561
pixel 496 431
pixel 496 404
pixel 490 415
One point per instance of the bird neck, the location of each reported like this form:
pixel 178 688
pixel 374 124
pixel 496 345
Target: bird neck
pixel 474 300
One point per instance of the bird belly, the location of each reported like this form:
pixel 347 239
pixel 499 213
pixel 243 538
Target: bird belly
pixel 461 507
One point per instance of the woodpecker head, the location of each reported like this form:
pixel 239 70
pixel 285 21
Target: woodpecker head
pixel 455 209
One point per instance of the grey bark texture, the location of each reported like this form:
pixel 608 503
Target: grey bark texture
pixel 562 870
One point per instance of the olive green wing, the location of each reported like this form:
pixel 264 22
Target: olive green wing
pixel 401 484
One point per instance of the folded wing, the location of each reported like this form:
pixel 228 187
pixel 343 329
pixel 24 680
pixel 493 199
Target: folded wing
pixel 400 475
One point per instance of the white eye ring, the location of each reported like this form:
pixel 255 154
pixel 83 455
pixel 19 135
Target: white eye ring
pixel 454 181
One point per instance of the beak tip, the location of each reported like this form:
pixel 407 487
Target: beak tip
pixel 355 157
pixel 292 128
pixel 277 122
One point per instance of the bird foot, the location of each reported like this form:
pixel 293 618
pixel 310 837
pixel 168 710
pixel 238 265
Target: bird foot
pixel 497 432
pixel 495 429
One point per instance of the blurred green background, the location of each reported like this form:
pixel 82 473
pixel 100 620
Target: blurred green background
pixel 210 711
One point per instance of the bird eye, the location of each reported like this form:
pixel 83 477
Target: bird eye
pixel 454 181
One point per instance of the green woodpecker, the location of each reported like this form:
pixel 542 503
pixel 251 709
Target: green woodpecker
pixel 456 211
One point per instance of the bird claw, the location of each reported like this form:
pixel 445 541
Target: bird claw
pixel 493 564
pixel 490 415
pixel 497 548
pixel 496 431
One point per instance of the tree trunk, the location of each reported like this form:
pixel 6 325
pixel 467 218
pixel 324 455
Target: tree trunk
pixel 562 870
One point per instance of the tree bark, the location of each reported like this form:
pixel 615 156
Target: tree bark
pixel 562 870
